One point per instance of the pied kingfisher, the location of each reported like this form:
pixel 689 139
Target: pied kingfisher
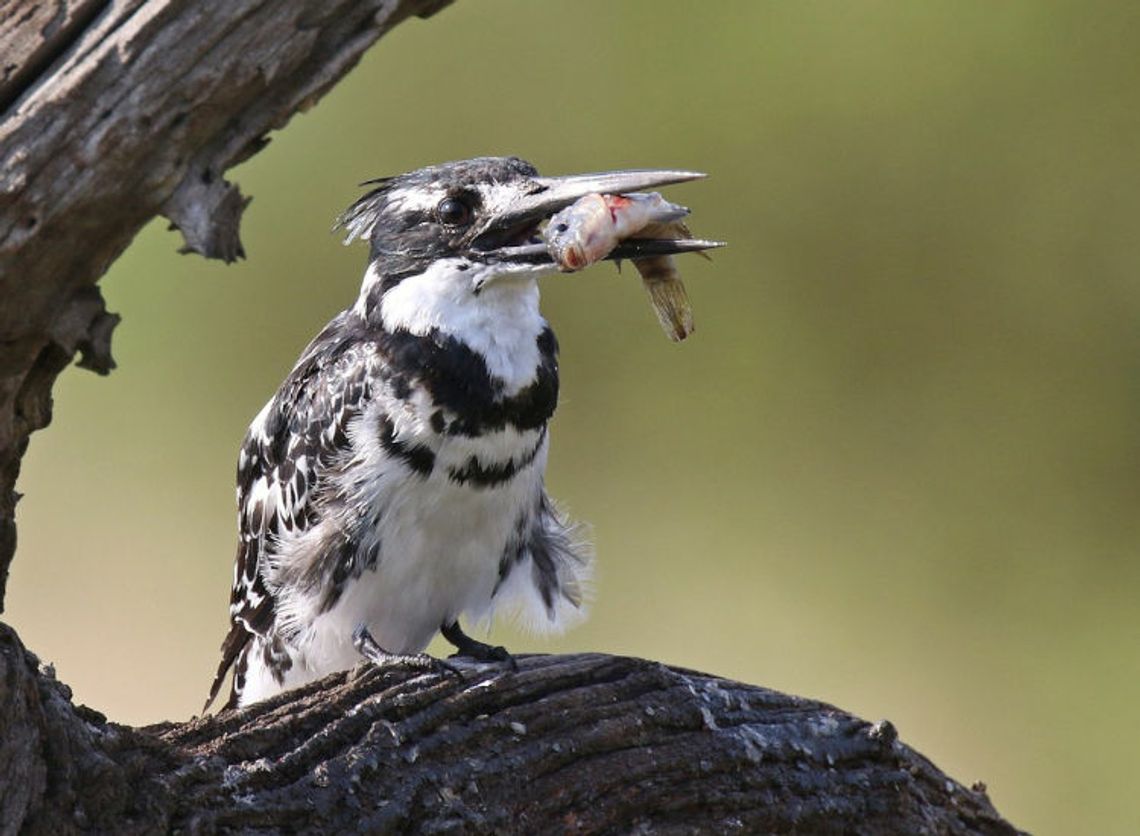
pixel 394 483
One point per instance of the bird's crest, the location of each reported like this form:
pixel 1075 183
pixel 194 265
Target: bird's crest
pixel 358 219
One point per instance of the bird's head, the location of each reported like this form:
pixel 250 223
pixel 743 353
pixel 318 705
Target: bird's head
pixel 477 219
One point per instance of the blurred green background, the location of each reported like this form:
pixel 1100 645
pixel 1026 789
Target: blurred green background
pixel 895 469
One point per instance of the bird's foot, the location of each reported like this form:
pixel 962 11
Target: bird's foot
pixel 368 647
pixel 470 648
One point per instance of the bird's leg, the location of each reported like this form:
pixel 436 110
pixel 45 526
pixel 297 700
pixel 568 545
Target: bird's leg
pixel 367 647
pixel 477 650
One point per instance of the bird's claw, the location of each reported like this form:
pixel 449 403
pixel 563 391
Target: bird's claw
pixel 469 648
pixel 370 649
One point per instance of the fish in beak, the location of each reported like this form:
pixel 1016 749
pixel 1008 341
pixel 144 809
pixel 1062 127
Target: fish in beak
pixel 571 222
pixel 513 232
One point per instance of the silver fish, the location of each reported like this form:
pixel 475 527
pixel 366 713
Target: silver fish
pixel 587 230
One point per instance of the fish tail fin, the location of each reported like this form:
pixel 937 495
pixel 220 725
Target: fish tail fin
pixel 668 295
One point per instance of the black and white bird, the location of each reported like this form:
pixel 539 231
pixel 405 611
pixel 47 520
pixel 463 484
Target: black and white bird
pixel 394 483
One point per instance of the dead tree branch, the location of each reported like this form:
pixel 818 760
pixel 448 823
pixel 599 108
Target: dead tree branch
pixel 112 113
pixel 586 743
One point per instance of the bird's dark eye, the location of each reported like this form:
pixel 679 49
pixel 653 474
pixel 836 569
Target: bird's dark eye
pixel 453 212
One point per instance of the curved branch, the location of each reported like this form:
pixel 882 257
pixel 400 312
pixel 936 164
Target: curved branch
pixel 584 743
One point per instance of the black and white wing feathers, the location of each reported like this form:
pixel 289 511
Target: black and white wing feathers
pixel 291 445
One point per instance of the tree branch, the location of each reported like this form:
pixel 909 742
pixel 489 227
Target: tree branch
pixel 584 743
pixel 114 112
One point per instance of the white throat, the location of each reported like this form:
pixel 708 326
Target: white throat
pixel 500 321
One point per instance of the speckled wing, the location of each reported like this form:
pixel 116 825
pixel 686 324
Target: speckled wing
pixel 298 436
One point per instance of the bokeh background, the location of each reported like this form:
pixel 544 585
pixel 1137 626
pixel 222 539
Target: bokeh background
pixel 896 468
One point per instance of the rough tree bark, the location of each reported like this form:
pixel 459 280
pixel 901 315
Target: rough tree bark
pixel 113 111
pixel 587 743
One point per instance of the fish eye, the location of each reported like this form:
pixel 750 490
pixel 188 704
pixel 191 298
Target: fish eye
pixel 452 211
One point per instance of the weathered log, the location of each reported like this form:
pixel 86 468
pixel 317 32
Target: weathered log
pixel 584 743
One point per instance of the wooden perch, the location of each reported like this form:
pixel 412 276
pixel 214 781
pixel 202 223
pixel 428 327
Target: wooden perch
pixel 584 743
pixel 113 111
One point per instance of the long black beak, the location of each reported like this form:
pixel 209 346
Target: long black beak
pixel 548 195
